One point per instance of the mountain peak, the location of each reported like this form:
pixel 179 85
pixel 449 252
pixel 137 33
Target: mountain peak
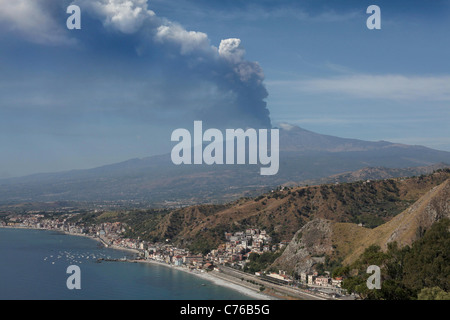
pixel 294 138
pixel 291 127
pixel 304 156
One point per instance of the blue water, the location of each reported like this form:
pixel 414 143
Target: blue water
pixel 33 265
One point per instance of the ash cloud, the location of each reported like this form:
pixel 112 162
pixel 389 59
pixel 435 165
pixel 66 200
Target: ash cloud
pixel 129 63
pixel 115 89
pixel 230 90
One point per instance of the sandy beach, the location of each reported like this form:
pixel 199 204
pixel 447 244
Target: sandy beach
pixel 215 277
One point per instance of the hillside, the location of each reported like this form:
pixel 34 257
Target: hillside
pixel 376 173
pixel 283 212
pixel 404 229
pixel 345 242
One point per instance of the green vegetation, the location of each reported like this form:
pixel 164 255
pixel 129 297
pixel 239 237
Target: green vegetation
pixel 329 265
pixel 368 220
pixel 421 271
pixel 261 262
pixel 434 293
pixel 139 224
pixel 202 245
pixel 281 213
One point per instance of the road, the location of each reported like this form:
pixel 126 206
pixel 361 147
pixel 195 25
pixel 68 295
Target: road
pixel 291 291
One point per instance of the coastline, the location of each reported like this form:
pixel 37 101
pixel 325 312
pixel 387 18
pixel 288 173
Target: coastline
pixel 208 276
pixel 135 251
pixel 212 277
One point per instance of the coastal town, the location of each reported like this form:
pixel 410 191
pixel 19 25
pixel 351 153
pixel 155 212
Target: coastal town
pixel 228 261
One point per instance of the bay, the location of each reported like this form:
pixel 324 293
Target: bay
pixel 33 265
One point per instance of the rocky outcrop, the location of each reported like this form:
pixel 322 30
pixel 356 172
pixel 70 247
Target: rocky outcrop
pixel 308 247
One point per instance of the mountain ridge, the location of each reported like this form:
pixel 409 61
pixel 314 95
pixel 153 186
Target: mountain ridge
pixel 304 156
pixel 340 241
pixel 282 212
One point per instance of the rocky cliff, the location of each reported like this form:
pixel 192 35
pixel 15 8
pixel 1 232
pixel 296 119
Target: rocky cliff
pixel 309 246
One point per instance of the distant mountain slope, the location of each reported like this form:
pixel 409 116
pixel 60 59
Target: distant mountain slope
pixel 304 155
pixel 376 173
pixel 296 139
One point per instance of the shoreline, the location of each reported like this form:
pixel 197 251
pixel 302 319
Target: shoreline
pixel 209 276
pixel 135 251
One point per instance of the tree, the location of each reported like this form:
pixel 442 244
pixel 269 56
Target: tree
pixel 420 271
pixel 434 293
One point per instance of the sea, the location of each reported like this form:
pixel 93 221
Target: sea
pixel 34 265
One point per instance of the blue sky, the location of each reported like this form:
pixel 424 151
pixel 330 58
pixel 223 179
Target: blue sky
pixel 139 69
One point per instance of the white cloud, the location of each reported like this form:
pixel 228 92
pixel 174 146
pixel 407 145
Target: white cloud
pixel 391 87
pixel 126 16
pixel 189 41
pixel 30 19
pixel 231 50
